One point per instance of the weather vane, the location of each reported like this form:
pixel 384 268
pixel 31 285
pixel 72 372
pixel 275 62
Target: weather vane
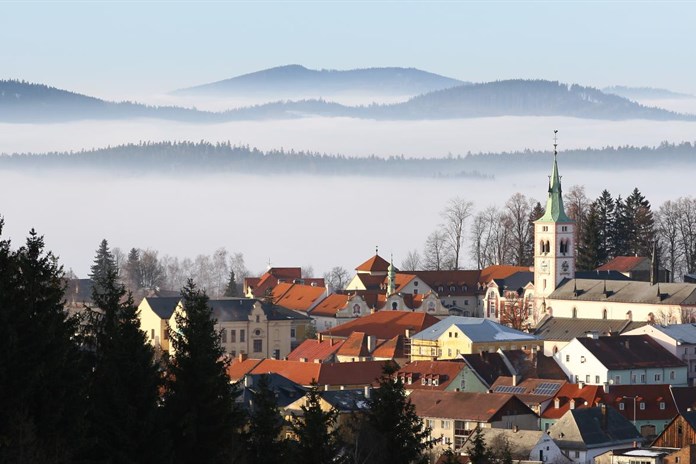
pixel 555 141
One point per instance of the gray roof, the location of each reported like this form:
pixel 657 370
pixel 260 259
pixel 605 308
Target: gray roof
pixel 475 328
pixel 238 309
pixel 601 275
pixel 686 333
pixel 163 306
pixel 587 428
pixel 630 352
pixel 516 281
pixel 345 400
pixel 521 441
pixel 567 328
pixel 625 292
pixel 286 391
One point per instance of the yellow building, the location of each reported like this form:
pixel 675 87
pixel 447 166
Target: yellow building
pixel 246 325
pixel 457 335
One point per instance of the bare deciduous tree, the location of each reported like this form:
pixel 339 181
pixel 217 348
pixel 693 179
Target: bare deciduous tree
pixel 577 206
pixel 436 254
pixel 455 215
pixel 517 211
pixel 667 228
pixel 412 262
pixel 337 278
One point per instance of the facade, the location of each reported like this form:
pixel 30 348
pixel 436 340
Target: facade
pixel 156 316
pixel 458 335
pixel 525 445
pixel 625 360
pixel 678 339
pixel 680 432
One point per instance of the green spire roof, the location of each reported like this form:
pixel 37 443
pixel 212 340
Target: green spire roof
pixel 554 204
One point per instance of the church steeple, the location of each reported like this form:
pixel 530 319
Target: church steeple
pixel 554 203
pixel 391 277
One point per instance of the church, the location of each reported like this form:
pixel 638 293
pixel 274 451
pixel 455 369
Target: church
pixel 558 292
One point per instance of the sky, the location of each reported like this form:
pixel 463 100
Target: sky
pixel 124 50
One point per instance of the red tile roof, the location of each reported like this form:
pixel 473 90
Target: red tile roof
pixel 622 263
pixel 332 374
pixel 239 368
pixel 330 305
pixel 355 345
pixel 651 395
pixel 391 349
pixel 374 264
pixel 445 371
pixel 480 407
pixel 298 297
pixel 499 271
pixel 314 349
pixel 276 275
pixel 587 397
pixel 385 324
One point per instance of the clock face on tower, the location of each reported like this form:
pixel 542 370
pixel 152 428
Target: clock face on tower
pixel 544 266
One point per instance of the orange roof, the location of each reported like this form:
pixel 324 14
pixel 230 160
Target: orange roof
pixel 390 349
pixel 480 407
pixel 313 349
pixel 374 264
pixel 499 271
pixel 588 394
pixel 276 275
pixel 445 371
pixel 385 324
pixel 354 345
pixel 622 263
pixel 334 374
pixel 330 305
pixel 238 369
pixel 297 296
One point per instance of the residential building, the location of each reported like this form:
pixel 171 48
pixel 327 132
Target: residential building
pixel 525 445
pixel 337 309
pixel 624 360
pixel 260 287
pixel 285 390
pixel 557 332
pixel 452 416
pixel 678 339
pixel 384 325
pixel 298 297
pixel 482 370
pixel 684 398
pixel 650 408
pixel 536 393
pixel 457 335
pixel 680 432
pixel 570 397
pixel 457 290
pixel 512 292
pixel 434 375
pixel 583 434
pixel 633 455
pixel 635 268
pixel 156 316
pixel 315 350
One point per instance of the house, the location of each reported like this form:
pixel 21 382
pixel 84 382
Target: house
pixel 624 360
pixel 285 390
pixel 557 332
pixel 337 309
pixel 457 335
pixel 384 325
pixel 685 455
pixel 330 376
pixel 260 287
pixel 678 339
pixel 649 407
pixel 457 290
pixel 433 375
pixel 78 294
pixel 583 434
pixel 570 397
pixel 482 370
pixel 503 294
pixel 298 297
pixel 633 455
pixel 635 268
pixel 525 445
pixel 156 316
pixel 529 364
pixel 536 393
pixel 315 350
pixel 680 432
pixel 452 416
pixel 684 398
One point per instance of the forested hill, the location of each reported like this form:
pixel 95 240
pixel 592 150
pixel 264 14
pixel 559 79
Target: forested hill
pixel 292 80
pixel 21 102
pixel 647 93
pixel 196 158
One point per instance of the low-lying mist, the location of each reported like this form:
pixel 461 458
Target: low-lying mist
pixel 289 220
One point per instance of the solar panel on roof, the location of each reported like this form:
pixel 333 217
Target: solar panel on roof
pixel 546 388
pixel 508 389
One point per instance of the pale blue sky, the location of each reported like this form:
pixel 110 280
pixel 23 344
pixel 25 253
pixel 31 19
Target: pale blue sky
pixel 117 49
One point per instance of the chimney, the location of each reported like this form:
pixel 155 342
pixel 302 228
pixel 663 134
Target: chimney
pixel 326 388
pixel 592 334
pixel 371 341
pixel 603 408
pixel 556 403
pixel 342 387
pixel 317 361
pixel 367 392
pixel 572 403
pixel 248 381
pixel 581 384
pixel 242 357
pixel 407 332
pixel 320 337
pixel 606 387
pixel 515 428
pixel 654 265
pixel 304 360
pixel 515 380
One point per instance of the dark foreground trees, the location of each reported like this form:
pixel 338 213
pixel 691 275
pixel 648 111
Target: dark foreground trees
pixel 202 417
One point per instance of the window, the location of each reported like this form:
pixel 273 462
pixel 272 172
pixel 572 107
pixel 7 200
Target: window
pixel 634 378
pixel 449 352
pixel 445 424
pixel 662 405
pixel 415 283
pixel 466 302
pixel 642 378
pixel 575 313
pixel 596 379
pixel 242 335
pixel 642 406
pixel 545 228
pixel 449 334
pixel 671 375
pixel 564 228
pixel 258 346
pixel 576 454
pixel 152 334
pixel 456 334
pixel 617 380
pixel 567 358
pixel 233 336
pixel 293 333
pixel 257 332
pixel 657 377
pixel 462 384
pixel 577 379
pixel 165 334
pixel 604 314
pixel 223 336
pixel 622 406
pixel 258 318
pixel 276 354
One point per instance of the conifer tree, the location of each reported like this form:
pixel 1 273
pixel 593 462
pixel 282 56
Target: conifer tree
pixel 591 255
pixel 104 263
pixel 621 232
pixel 317 433
pixel 392 431
pixel 642 223
pixel 199 403
pixel 231 289
pixel 133 271
pixel 122 413
pixel 265 446
pixel 536 212
pixel 40 370
pixel 477 449
pixel 605 207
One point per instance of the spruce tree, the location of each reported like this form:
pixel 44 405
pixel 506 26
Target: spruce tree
pixel 41 395
pixel 477 449
pixel 231 289
pixel 605 207
pixel 104 263
pixel 134 275
pixel 122 414
pixel 622 232
pixel 392 431
pixel 199 402
pixel 642 222
pixel 265 445
pixel 591 255
pixel 317 433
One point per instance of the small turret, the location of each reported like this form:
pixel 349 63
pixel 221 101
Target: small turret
pixel 391 277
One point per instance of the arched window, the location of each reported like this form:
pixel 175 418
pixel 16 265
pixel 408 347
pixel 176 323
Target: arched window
pixel 555 349
pixel 548 247
pixel 542 248
pixel 575 313
pixel 395 305
pixel 604 313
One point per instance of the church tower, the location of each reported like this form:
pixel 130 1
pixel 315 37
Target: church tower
pixel 554 233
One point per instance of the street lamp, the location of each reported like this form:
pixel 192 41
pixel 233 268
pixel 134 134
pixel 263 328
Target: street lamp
pixel 634 398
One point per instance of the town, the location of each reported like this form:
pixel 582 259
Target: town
pixel 507 363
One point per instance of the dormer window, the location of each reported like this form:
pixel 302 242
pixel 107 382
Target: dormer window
pixel 424 381
pixel 642 406
pixel 662 405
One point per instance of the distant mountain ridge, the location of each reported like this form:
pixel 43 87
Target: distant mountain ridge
pixel 21 102
pixel 293 80
pixel 646 93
